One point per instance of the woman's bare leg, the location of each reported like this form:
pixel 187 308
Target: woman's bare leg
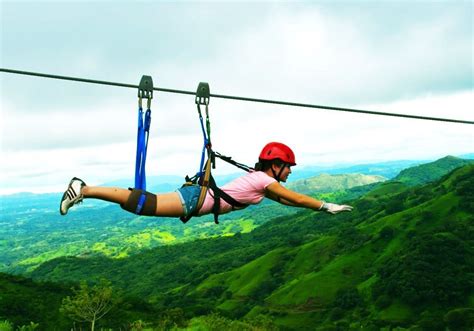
pixel 111 194
pixel 168 204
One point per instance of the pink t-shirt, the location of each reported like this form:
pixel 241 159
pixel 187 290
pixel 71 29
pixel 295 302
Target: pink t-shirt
pixel 248 189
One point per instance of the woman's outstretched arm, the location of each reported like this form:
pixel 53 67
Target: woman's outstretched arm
pixel 279 193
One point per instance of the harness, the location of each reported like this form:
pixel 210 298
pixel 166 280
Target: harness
pixel 204 177
pixel 144 203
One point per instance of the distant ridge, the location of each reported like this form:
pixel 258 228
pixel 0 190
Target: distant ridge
pixel 325 183
pixel 432 171
pixel 387 169
pixel 469 156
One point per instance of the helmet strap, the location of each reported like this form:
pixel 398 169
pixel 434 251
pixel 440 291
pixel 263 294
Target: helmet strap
pixel 278 176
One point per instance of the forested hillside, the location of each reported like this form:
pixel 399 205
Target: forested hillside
pixel 403 257
pixel 428 172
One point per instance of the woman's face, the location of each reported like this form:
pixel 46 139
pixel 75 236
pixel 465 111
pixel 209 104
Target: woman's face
pixel 284 173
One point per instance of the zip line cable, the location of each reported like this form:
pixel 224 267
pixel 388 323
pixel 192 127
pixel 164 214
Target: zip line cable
pixel 284 103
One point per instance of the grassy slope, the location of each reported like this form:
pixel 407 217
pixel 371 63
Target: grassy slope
pixel 243 280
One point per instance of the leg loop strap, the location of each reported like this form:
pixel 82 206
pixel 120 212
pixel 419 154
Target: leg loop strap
pixel 141 203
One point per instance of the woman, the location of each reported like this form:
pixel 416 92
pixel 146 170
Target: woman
pixel 274 166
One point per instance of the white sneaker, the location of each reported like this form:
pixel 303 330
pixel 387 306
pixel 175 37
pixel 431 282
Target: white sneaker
pixel 72 195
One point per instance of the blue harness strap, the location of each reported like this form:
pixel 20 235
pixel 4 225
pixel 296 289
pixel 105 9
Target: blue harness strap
pixel 145 90
pixel 141 203
pixel 142 147
pixel 205 145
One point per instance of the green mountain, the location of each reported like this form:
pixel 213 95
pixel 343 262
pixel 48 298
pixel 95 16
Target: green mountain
pixel 429 172
pixel 402 259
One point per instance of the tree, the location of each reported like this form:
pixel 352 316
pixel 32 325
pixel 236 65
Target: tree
pixel 89 304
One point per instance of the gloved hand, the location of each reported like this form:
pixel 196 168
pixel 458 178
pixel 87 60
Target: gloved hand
pixel 333 208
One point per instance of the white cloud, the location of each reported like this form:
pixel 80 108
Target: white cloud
pixel 317 136
pixel 311 57
pixel 52 130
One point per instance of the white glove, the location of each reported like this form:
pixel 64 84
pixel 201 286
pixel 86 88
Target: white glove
pixel 333 208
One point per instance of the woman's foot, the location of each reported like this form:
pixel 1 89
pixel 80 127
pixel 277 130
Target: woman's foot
pixel 72 196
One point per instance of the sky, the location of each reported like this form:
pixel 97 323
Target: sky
pixel 410 57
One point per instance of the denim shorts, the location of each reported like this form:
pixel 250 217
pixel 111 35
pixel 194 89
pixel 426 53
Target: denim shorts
pixel 189 198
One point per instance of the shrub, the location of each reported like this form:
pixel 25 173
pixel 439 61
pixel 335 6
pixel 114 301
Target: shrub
pixel 327 328
pixel 262 322
pixel 215 322
pixel 6 326
pixel 394 207
pixel 336 314
pixel 431 321
pixel 387 233
pixel 348 298
pixel 460 319
pixel 172 317
pixel 30 327
pixel 383 301
pixel 426 216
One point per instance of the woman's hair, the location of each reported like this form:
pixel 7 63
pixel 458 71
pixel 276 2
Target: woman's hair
pixel 264 165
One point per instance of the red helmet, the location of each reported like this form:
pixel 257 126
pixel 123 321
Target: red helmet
pixel 275 150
